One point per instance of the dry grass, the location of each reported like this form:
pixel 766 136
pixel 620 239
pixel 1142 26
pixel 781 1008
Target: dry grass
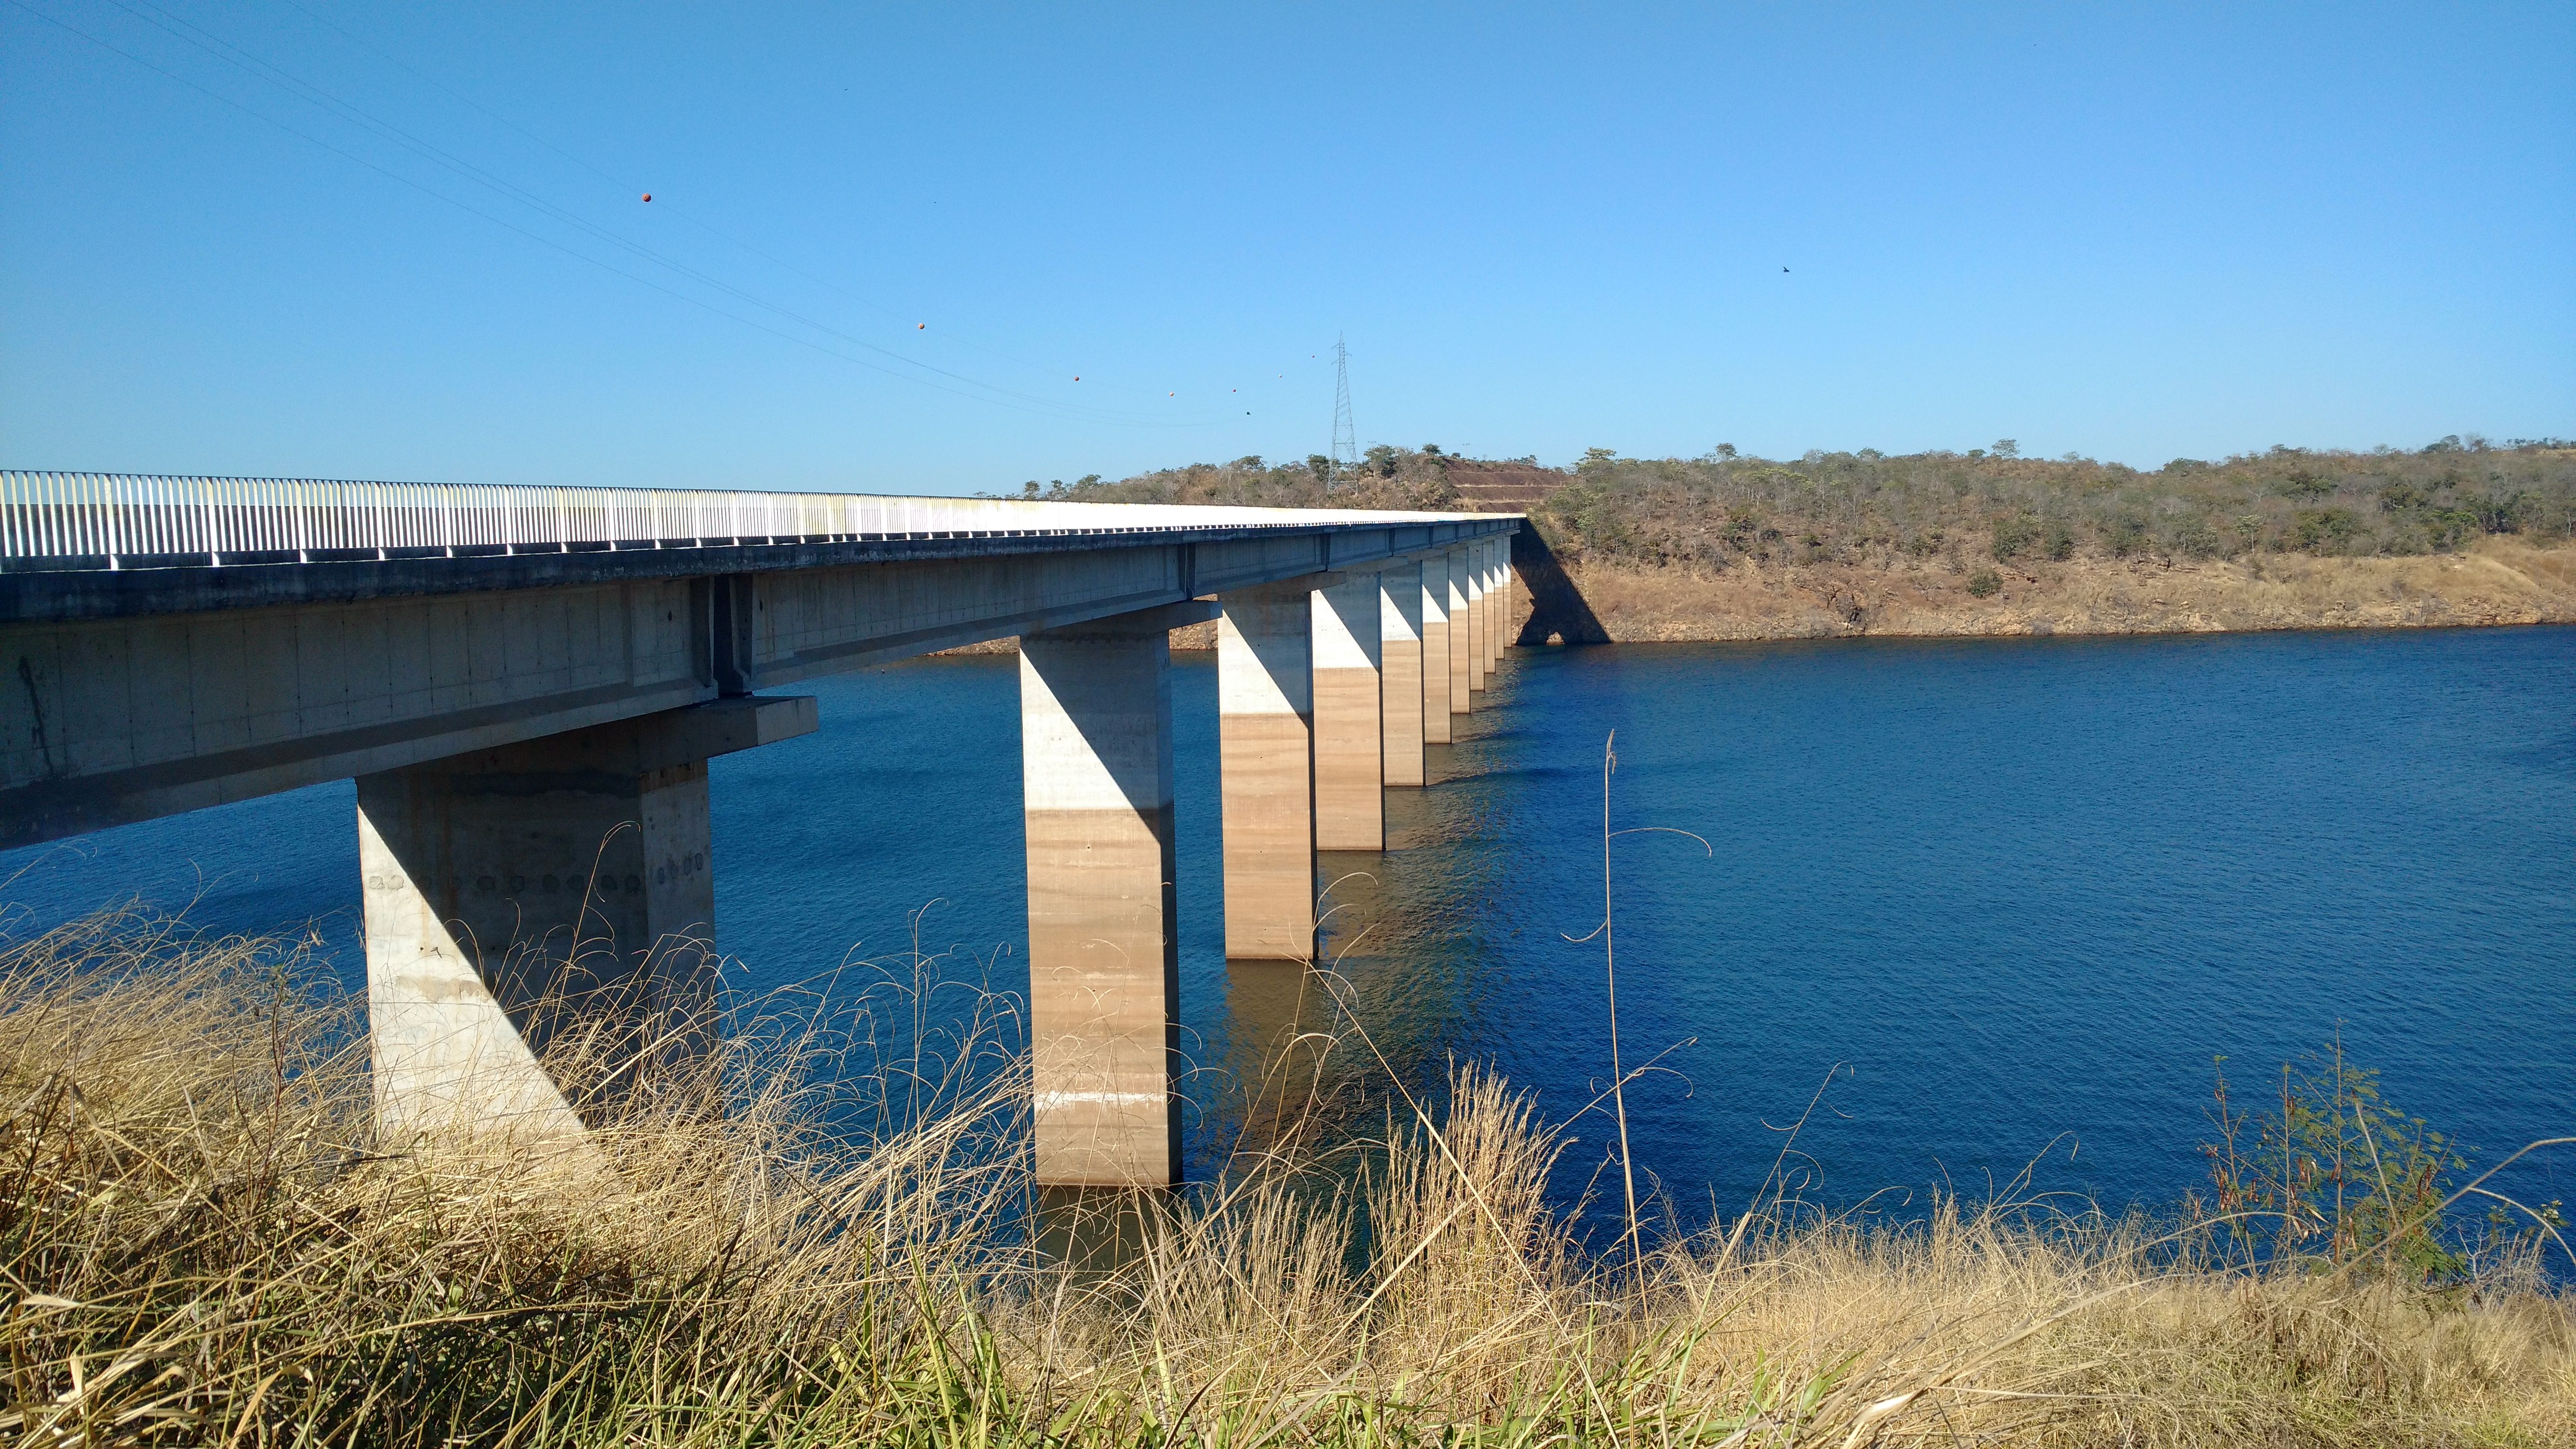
pixel 203 1244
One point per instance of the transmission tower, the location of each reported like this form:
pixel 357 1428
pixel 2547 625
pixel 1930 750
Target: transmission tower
pixel 1346 439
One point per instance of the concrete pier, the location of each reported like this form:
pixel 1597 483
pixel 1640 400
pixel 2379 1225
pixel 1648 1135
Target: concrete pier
pixel 1350 785
pixel 1498 609
pixel 1462 634
pixel 1104 939
pixel 1476 618
pixel 1265 743
pixel 554 900
pixel 1400 670
pixel 1436 666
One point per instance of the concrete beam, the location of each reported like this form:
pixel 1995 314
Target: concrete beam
pixel 1104 933
pixel 128 719
pixel 1234 556
pixel 1265 738
pixel 540 920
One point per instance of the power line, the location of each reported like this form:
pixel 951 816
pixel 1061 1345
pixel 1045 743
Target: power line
pixel 625 185
pixel 323 100
pixel 315 95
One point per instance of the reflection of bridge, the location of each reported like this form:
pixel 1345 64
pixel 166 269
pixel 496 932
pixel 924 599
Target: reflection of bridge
pixel 527 683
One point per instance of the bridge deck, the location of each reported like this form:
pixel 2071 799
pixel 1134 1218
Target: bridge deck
pixel 178 642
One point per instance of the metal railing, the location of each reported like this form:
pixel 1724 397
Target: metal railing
pixel 122 520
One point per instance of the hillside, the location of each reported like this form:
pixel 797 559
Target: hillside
pixel 1726 546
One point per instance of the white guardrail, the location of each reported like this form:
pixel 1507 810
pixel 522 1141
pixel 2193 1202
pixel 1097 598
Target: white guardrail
pixel 118 520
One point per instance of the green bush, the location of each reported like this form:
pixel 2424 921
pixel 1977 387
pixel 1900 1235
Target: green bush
pixel 2324 530
pixel 1984 582
pixel 2014 534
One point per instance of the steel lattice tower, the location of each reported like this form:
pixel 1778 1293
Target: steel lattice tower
pixel 1346 439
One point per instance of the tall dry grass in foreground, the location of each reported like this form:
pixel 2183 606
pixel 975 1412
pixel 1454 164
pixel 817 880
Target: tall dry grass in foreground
pixel 203 1244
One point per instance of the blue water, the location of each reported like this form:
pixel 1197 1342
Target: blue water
pixel 2003 901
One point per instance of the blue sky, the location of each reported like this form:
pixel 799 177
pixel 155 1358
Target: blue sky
pixel 2131 232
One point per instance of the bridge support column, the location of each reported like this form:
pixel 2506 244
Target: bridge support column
pixel 544 908
pixel 1399 593
pixel 1104 938
pixel 1498 604
pixel 1265 742
pixel 1350 769
pixel 1462 638
pixel 1467 596
pixel 1436 642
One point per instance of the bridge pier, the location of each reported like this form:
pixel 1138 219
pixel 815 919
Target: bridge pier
pixel 1436 649
pixel 1399 592
pixel 1104 935
pixel 546 903
pixel 1493 608
pixel 1480 603
pixel 1462 633
pixel 1479 618
pixel 1350 770
pixel 1265 743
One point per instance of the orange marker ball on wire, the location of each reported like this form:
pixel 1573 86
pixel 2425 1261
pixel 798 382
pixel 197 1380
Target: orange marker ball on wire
pixel 648 196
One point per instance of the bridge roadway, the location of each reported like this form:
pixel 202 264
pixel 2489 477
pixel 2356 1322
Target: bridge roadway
pixel 527 683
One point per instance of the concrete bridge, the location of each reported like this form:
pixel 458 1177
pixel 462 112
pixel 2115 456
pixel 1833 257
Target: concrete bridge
pixel 527 683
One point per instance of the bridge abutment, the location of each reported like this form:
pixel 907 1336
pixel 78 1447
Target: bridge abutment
pixel 540 919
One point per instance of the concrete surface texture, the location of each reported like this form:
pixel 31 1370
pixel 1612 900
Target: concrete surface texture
pixel 1104 945
pixel 1350 775
pixel 554 898
pixel 1265 727
pixel 1438 673
pixel 1399 589
pixel 1462 633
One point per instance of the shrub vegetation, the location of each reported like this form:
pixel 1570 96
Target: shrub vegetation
pixel 1711 512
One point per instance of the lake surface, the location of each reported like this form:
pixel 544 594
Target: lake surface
pixel 2012 897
